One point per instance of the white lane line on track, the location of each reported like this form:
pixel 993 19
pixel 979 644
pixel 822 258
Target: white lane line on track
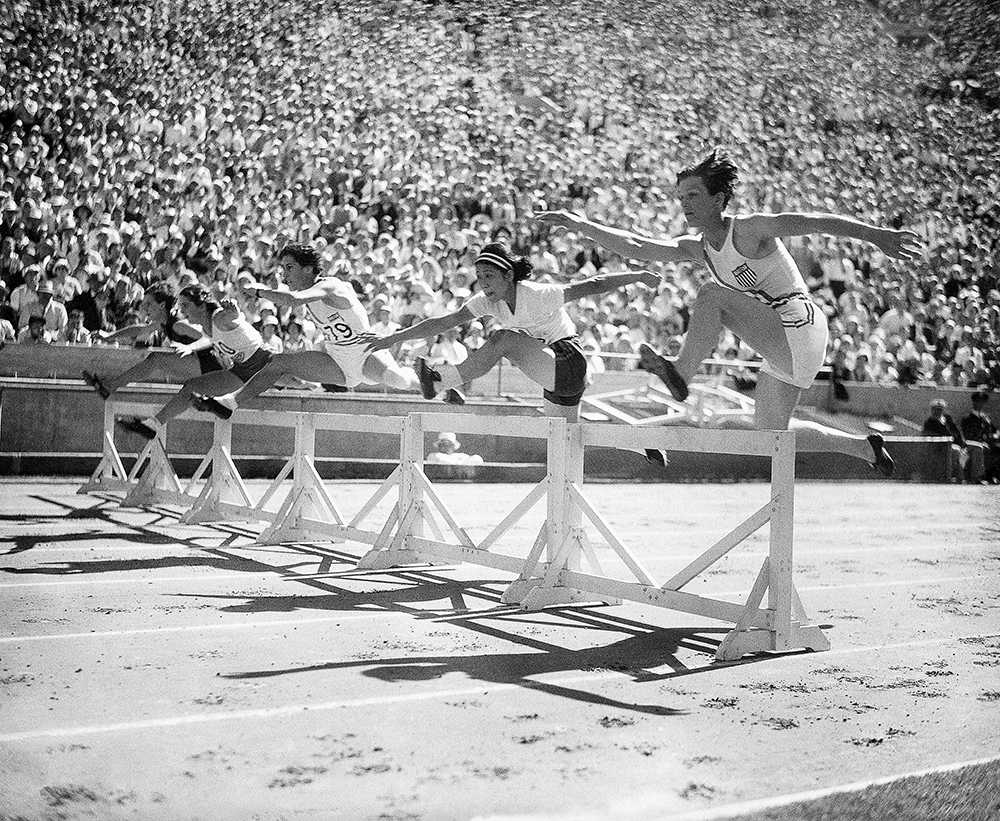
pixel 205 577
pixel 777 802
pixel 482 689
pixel 233 626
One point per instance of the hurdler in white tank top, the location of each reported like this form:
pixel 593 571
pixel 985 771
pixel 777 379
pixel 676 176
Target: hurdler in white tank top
pixel 539 310
pixel 235 345
pixel 342 327
pixel 774 279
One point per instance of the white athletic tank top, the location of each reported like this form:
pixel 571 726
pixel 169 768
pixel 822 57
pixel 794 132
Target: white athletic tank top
pixel 237 344
pixel 341 327
pixel 774 280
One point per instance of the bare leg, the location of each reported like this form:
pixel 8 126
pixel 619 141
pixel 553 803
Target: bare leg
pixel 571 413
pixel 380 367
pixel 530 354
pixel 215 383
pixel 751 320
pixel 774 402
pixel 312 366
pixel 158 363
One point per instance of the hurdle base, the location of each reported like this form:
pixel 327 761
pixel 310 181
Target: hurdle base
pixel 531 594
pixel 288 534
pixel 211 512
pixel 377 559
pixel 105 486
pixel 739 643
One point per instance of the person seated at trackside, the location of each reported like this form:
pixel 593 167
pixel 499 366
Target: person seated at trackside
pixel 981 432
pixel 446 452
pixel 940 423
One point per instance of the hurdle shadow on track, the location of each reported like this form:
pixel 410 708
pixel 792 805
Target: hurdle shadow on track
pixel 145 535
pixel 26 543
pixel 633 656
pixel 638 655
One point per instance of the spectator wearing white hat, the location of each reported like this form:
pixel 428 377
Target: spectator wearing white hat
pixel 269 332
pixel 446 452
pixel 65 286
pixel 52 310
pixel 24 298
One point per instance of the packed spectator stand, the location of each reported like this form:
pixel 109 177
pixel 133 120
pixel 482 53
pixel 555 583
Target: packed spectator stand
pixel 186 141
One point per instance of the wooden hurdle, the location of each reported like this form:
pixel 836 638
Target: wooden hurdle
pixel 560 567
pixel 217 492
pixel 559 577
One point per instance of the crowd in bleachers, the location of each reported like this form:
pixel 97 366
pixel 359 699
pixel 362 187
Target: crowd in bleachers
pixel 187 141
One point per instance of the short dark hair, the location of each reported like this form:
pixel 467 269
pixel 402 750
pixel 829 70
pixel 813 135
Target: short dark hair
pixel 717 171
pixel 164 293
pixel 304 255
pixel 200 296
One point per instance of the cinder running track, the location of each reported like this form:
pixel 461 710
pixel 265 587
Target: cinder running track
pixel 150 670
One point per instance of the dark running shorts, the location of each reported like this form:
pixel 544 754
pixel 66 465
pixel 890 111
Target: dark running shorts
pixel 208 362
pixel 571 373
pixel 245 370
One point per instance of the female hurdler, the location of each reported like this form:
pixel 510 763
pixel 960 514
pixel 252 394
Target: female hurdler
pixel 159 307
pixel 756 291
pixel 233 341
pixel 538 336
pixel 345 359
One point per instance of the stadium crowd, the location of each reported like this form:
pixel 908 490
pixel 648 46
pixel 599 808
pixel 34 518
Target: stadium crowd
pixel 188 141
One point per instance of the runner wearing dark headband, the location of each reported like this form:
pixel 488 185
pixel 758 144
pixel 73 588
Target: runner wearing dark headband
pixel 537 333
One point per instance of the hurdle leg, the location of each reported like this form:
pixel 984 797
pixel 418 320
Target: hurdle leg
pixel 394 550
pixel 787 631
pixel 539 584
pixel 308 500
pixel 110 473
pixel 225 495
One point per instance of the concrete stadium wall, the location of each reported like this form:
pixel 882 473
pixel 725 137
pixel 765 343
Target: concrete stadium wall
pixel 51 423
pixel 879 401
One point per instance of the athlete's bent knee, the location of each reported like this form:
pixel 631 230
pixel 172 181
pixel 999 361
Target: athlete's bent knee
pixel 504 338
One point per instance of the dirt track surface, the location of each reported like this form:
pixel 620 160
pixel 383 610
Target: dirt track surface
pixel 150 670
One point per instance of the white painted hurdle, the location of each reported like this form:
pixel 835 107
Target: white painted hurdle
pixel 307 512
pixel 559 577
pixel 561 566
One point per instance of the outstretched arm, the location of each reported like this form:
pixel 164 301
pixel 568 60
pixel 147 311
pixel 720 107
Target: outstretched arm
pixel 898 244
pixel 427 329
pixel 625 243
pixel 295 298
pixel 132 332
pixel 602 283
